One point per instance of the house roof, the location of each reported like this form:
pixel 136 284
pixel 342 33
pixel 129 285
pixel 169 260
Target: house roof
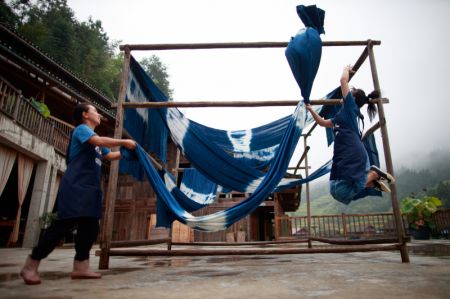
pixel 28 56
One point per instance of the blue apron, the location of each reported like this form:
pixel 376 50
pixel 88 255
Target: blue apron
pixel 79 193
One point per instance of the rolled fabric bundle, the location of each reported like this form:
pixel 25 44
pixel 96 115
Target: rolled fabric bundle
pixel 304 51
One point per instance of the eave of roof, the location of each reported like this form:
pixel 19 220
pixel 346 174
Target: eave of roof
pixel 25 54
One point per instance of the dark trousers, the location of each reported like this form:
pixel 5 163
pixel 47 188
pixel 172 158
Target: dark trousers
pixel 87 231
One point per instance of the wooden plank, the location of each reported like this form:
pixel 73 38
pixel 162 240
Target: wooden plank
pixel 108 219
pixel 133 243
pixel 235 45
pixel 242 103
pixel 355 242
pixel 388 159
pixel 261 251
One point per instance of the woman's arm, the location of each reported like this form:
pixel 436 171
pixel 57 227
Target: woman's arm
pixel 111 142
pixel 345 77
pixel 111 156
pixel 327 123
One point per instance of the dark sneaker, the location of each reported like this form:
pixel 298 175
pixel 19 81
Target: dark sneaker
pixel 381 186
pixel 383 175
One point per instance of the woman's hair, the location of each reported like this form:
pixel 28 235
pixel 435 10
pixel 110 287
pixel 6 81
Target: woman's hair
pixel 361 99
pixel 77 114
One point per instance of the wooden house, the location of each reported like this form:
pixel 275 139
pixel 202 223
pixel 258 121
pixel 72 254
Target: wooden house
pixel 35 145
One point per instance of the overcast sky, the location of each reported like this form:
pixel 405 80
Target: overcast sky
pixel 412 61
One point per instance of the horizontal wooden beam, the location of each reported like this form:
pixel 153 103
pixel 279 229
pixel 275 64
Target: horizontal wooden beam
pixel 260 251
pixel 236 45
pixel 250 243
pixel 203 104
pixel 132 243
pixel 355 242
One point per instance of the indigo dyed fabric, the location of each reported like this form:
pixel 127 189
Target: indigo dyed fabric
pixel 304 51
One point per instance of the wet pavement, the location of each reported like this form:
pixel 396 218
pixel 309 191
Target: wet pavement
pixel 331 275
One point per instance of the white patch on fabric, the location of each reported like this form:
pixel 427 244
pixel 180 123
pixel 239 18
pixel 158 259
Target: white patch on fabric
pixel 213 222
pixel 253 185
pixel 240 140
pixel 170 184
pixel 201 198
pixel 178 125
pixel 137 96
pixel 260 155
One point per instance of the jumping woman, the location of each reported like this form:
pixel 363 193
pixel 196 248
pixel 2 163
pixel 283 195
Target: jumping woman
pixel 351 172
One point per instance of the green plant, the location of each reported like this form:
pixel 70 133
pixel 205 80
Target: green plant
pixel 419 211
pixel 47 219
pixel 41 107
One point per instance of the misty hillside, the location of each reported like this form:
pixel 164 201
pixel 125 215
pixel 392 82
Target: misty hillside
pixel 424 178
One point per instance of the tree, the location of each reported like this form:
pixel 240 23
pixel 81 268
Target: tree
pixel 441 191
pixel 158 72
pixel 81 47
pixel 7 15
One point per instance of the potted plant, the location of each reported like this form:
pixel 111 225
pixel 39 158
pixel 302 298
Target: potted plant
pixel 419 212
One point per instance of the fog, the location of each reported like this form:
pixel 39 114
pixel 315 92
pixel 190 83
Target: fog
pixel 412 60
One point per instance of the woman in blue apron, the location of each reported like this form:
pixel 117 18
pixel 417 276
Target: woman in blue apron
pixel 351 172
pixel 79 199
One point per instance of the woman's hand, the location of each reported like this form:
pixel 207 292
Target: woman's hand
pixel 349 69
pixel 129 144
pixel 345 77
pixel 308 107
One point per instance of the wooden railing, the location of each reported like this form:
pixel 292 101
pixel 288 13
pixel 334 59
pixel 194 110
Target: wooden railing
pixel 353 225
pixel 442 221
pixel 20 109
pixel 338 226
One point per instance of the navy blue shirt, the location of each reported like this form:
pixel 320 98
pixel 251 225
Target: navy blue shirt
pixel 349 157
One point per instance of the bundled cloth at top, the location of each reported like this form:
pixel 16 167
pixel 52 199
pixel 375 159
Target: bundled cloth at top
pixel 305 49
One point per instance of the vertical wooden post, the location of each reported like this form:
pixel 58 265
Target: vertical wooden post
pixel 278 213
pixel 177 171
pixel 308 203
pixel 344 224
pixel 17 102
pixel 388 159
pixel 108 218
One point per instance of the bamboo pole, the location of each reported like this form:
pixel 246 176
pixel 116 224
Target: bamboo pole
pixel 359 62
pixel 108 220
pixel 355 242
pixel 308 202
pixel 371 130
pixel 204 104
pixel 262 251
pixel 233 45
pixel 388 158
pixel 227 244
pixel 132 243
pixel 305 152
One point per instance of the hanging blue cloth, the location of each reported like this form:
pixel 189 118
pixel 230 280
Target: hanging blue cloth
pixel 304 51
pixel 197 187
pixel 231 159
pixel 221 220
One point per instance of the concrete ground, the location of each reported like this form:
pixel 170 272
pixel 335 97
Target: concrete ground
pixel 345 275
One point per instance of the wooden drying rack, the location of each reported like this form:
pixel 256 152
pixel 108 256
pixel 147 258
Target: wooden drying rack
pixel 107 246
